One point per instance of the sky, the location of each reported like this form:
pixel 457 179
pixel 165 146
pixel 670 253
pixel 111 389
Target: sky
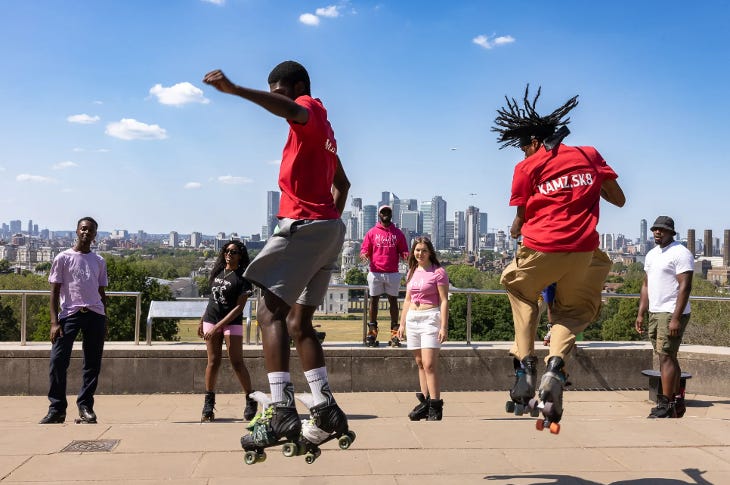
pixel 104 111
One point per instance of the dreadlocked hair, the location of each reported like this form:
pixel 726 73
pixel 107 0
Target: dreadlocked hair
pixel 516 124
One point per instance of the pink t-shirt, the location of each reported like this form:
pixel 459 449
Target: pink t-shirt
pixel 308 166
pixel 423 285
pixel 80 276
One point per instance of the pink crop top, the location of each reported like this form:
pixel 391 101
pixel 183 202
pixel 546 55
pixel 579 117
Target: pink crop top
pixel 424 284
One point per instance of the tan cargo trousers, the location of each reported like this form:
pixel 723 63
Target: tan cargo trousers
pixel 580 278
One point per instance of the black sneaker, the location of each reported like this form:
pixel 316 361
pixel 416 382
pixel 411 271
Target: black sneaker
pixel 86 414
pixel 53 417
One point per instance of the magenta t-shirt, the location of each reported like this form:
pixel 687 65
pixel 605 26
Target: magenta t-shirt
pixel 80 276
pixel 424 284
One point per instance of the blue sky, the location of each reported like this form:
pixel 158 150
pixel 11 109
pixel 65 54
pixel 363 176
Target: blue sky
pixel 104 112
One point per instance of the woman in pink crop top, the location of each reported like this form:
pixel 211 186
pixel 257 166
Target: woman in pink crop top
pixel 425 319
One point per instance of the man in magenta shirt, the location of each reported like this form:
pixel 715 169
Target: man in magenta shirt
pixel 78 301
pixel 556 190
pixel 384 245
pixel 294 268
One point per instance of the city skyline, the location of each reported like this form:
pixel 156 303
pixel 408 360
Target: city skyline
pixel 112 120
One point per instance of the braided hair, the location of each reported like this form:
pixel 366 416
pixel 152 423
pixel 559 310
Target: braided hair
pixel 518 126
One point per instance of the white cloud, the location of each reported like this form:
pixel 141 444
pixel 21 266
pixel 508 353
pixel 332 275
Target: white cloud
pixel 332 11
pixel 309 19
pixel 234 180
pixel 215 2
pixel 131 129
pixel 2 169
pixel 98 102
pixel 66 164
pixel 274 162
pixel 179 94
pixel 98 150
pixel 26 177
pixel 83 119
pixel 484 41
pixel 192 185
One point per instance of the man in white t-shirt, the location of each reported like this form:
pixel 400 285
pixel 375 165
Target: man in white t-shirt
pixel 665 295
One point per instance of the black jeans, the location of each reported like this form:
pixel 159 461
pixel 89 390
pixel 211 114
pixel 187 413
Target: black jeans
pixel 93 328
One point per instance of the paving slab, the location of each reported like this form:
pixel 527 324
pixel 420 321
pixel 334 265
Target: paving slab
pixel 605 439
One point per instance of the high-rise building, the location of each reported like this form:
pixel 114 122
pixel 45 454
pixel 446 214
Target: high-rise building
pixel 472 230
pixel 426 218
pixel 15 227
pixel 726 248
pixel 483 223
pixel 272 209
pixel 409 222
pixel 459 228
pixel 451 241
pixel 708 243
pixel 438 222
pixel 691 241
pixel 607 242
pixel 30 227
pixel 174 239
pixel 195 239
pixel 369 218
pixel 357 203
pixel 643 235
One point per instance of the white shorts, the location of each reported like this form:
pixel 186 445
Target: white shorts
pixel 383 283
pixel 422 329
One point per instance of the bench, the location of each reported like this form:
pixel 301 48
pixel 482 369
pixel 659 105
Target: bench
pixel 655 382
pixel 191 308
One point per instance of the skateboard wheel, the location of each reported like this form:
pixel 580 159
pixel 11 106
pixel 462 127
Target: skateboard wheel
pixel 555 428
pixel 289 449
pixel 539 425
pixel 519 409
pixel 509 406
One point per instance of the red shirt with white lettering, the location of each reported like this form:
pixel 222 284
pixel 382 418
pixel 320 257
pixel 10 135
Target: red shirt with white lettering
pixel 560 190
pixel 308 166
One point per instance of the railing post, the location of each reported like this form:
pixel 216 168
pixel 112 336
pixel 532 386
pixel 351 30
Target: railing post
pixel 137 319
pixel 468 319
pixel 365 306
pixel 23 319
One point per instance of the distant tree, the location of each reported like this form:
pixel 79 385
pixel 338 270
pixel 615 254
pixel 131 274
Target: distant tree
pixel 4 266
pixel 618 267
pixel 491 318
pixel 465 276
pixel 9 325
pixel 203 284
pixel 355 276
pixel 44 267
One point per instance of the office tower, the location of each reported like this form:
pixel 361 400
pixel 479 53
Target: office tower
pixel 272 209
pixel 35 229
pixel 409 204
pixel 459 228
pixel 438 222
pixel 409 222
pixel 30 227
pixel 691 242
pixel 708 243
pixel 643 235
pixel 369 218
pixel 15 227
pixel 726 248
pixel 607 242
pixel 483 227
pixel 195 239
pixel 384 199
pixel 395 205
pixel 426 218
pixel 472 230
pixel 357 203
pixel 451 241
pixel 174 239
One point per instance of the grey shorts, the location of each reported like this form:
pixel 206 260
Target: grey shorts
pixel 296 263
pixel 383 284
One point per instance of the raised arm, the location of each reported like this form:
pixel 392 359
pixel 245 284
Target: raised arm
pixel 274 102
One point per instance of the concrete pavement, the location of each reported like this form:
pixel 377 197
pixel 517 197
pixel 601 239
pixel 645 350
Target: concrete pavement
pixel 605 439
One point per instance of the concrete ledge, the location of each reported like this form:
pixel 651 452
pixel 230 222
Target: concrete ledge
pixel 180 368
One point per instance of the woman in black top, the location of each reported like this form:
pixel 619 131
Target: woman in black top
pixel 223 319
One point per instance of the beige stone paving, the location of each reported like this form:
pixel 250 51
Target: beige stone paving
pixel 605 439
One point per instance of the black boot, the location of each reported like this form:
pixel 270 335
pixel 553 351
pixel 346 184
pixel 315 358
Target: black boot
pixel 53 417
pixel 435 409
pixel 421 410
pixel 679 406
pixel 325 419
pixel 664 408
pixel 208 407
pixel 551 389
pixel 251 407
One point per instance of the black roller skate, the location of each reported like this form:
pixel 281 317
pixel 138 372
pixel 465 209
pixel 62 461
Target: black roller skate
pixel 208 414
pixel 394 340
pixel 371 340
pixel 277 424
pixel 421 410
pixel 435 409
pixel 251 407
pixel 524 389
pixel 550 396
pixel 327 422
pixel 664 408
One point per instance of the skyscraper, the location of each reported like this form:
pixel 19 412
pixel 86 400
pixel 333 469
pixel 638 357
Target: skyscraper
pixel 708 243
pixel 195 239
pixel 272 209
pixel 459 228
pixel 642 232
pixel 472 230
pixel 426 218
pixel 483 226
pixel 438 222
pixel 726 248
pixel 174 239
pixel 691 242
pixel 369 218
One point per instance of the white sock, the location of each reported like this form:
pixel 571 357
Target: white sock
pixel 317 379
pixel 277 383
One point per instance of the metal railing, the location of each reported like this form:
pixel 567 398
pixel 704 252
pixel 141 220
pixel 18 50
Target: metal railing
pixel 469 292
pixel 24 308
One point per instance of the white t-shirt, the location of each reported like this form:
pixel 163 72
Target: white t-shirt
pixel 662 265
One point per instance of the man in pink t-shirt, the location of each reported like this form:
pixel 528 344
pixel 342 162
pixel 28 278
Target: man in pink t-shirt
pixel 78 302
pixel 556 190
pixel 384 245
pixel 294 267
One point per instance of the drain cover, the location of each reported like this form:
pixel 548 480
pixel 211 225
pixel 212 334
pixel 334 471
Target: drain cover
pixel 87 446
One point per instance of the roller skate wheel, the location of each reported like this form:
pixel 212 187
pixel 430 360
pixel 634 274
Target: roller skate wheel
pixel 519 409
pixel 311 456
pixel 289 449
pixel 533 404
pixel 344 442
pixel 534 412
pixel 252 457
pixel 555 428
pixel 539 425
pixel 509 406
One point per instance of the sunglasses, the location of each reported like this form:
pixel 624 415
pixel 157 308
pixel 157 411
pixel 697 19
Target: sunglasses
pixel 232 251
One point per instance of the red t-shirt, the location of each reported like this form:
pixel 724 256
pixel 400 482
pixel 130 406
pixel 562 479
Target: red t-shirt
pixel 308 166
pixel 560 190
